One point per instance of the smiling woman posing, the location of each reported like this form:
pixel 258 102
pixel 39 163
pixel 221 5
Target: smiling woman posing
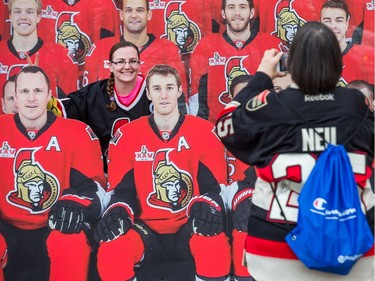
pixel 107 104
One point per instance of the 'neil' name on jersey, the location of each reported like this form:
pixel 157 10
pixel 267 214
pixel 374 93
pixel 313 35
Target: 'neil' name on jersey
pixel 315 139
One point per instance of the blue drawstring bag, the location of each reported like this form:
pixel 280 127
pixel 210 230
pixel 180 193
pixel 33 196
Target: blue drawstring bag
pixel 332 232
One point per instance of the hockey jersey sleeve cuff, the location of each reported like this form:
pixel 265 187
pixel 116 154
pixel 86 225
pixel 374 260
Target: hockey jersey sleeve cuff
pixel 128 209
pixel 259 82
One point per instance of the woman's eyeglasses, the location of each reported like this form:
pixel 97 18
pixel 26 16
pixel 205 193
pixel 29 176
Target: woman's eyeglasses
pixel 132 62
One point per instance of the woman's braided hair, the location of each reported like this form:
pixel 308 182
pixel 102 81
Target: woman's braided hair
pixel 110 90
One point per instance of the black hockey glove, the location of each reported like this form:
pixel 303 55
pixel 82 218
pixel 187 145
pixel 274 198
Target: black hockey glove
pixel 241 205
pixel 114 223
pixel 205 216
pixel 68 217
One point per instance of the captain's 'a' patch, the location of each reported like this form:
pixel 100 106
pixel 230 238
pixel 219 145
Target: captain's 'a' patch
pixel 258 101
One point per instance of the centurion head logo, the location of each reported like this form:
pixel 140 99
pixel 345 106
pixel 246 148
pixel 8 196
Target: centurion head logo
pixel 180 29
pixel 173 188
pixel 35 189
pixel 233 68
pixel 71 37
pixel 287 21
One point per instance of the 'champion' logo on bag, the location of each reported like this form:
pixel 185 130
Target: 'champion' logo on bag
pixel 319 204
pixel 319 207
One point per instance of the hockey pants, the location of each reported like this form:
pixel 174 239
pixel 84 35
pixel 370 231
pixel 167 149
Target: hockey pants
pixel 116 259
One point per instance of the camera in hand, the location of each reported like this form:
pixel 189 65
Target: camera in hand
pixel 283 63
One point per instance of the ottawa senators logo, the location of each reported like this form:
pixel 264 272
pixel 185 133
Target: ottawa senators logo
pixel 287 21
pixel 233 68
pixel 180 29
pixel 173 188
pixel 71 37
pixel 35 190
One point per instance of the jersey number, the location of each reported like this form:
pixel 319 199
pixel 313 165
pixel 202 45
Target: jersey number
pixel 297 168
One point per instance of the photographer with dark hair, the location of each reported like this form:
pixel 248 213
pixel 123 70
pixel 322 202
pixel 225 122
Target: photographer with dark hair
pixel 282 135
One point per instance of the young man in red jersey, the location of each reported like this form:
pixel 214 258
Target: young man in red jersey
pixel 49 181
pixel 26 42
pixel 165 191
pixel 219 58
pixel 358 60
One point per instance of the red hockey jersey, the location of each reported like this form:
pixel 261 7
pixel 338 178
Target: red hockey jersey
pixel 214 64
pixel 358 63
pixel 36 170
pixel 53 59
pixel 158 177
